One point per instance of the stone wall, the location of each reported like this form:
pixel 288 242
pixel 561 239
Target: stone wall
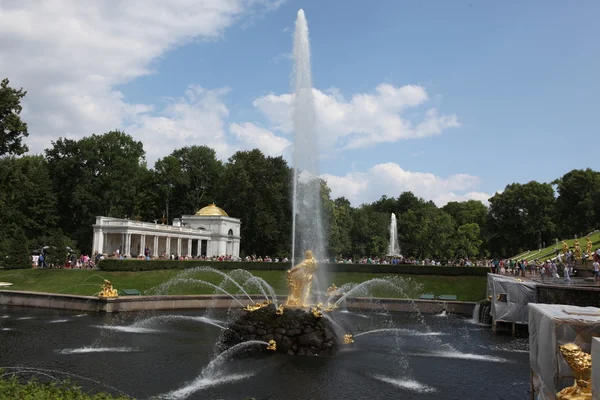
pixel 182 302
pixel 581 296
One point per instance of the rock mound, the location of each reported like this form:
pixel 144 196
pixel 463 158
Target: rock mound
pixel 297 331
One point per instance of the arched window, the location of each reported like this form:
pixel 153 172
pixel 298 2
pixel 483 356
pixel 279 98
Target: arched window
pixel 230 233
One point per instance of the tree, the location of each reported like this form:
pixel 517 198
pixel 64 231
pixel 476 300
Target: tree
pixel 521 217
pixel 578 202
pixel 340 229
pixel 97 175
pixel 257 189
pixel 468 240
pixel 167 172
pixel 467 212
pixel 27 208
pixel 198 182
pixel 12 128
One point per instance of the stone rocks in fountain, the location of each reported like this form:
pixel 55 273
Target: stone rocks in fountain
pixel 297 331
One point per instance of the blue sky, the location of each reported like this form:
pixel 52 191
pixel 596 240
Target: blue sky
pixel 520 79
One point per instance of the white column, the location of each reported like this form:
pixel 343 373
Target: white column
pixel 99 241
pixel 179 246
pixel 222 247
pixel 155 247
pixel 142 245
pixel 123 243
pixel 127 245
pixel 168 246
pixel 189 248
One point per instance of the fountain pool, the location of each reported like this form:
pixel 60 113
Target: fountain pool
pixel 172 354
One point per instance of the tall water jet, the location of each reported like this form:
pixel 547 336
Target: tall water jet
pixel 394 246
pixel 307 227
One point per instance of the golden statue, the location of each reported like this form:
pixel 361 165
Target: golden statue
pixel 588 247
pixel 577 250
pixel 565 247
pixel 348 339
pixel 257 306
pixel 331 290
pixel 272 345
pixel 316 312
pixel 279 310
pixel 581 364
pixel 108 290
pixel 299 281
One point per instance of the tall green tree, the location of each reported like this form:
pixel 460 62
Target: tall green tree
pixel 257 189
pixel 28 209
pixel 200 176
pixel 12 128
pixel 578 202
pixel 521 217
pixel 340 229
pixel 97 175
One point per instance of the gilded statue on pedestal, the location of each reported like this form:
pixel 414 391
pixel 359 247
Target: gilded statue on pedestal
pixel 577 250
pixel 299 281
pixel 108 290
pixel 565 247
pixel 581 364
pixel 588 247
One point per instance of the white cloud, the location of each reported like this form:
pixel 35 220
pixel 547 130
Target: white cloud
pixel 391 180
pixel 253 136
pixel 364 120
pixel 194 119
pixel 71 55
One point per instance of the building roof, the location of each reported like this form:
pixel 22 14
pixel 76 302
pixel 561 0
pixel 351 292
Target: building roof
pixel 211 210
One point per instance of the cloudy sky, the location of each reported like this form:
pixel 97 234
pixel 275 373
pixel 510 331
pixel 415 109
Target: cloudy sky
pixel 451 100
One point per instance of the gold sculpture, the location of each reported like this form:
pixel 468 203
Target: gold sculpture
pixel 279 310
pixel 581 364
pixel 577 250
pixel 565 247
pixel 348 338
pixel 330 307
pixel 331 290
pixel 108 290
pixel 257 306
pixel 588 247
pixel 272 345
pixel 299 281
pixel 316 312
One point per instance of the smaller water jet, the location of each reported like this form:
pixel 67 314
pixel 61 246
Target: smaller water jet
pixel 393 246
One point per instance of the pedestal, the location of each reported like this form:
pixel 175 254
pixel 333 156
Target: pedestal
pixel 596 368
pixel 550 326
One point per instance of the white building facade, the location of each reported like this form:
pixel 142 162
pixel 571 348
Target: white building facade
pixel 209 233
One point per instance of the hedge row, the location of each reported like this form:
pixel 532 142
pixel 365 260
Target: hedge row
pixel 143 265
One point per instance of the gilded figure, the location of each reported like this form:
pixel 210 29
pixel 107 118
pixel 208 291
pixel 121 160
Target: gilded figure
pixel 565 247
pixel 581 365
pixel 299 281
pixel 577 250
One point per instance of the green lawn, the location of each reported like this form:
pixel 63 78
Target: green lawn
pixel 548 252
pixel 84 282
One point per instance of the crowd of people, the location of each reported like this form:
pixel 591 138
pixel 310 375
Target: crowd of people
pixel 561 265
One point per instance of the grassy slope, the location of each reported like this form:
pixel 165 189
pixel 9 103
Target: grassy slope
pixel 548 252
pixel 83 282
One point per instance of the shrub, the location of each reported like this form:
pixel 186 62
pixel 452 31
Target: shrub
pixel 143 265
pixel 12 388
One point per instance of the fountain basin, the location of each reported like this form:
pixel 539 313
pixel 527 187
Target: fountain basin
pixel 181 302
pixel 297 331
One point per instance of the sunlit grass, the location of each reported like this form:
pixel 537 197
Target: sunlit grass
pixel 85 282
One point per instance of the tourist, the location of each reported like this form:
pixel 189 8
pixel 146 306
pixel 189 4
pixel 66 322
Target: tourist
pixel 596 272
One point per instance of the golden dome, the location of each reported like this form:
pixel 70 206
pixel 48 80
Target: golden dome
pixel 211 210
